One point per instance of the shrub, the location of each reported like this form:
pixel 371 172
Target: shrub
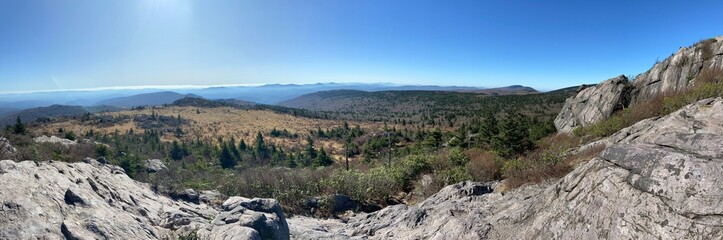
pixel 71 136
pixel 452 175
pixel 409 169
pixel 624 118
pixel 706 47
pixel 535 172
pixel 101 150
pixel 483 166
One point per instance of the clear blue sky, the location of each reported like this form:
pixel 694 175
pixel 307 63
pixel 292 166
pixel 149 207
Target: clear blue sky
pixel 51 44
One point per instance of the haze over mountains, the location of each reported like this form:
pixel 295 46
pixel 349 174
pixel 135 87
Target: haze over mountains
pixel 31 106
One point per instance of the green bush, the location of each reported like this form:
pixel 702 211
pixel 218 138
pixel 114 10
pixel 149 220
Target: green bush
pixel 453 175
pixel 71 136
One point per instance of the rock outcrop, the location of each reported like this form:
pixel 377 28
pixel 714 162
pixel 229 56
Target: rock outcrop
pixel 6 149
pixel 680 70
pixel 252 218
pixel 91 200
pixel 593 104
pixel 155 165
pixel 674 74
pixel 658 179
pixel 54 139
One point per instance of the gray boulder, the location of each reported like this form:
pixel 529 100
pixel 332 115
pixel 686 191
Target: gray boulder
pixel 54 139
pixel 6 149
pixel 593 104
pixel 658 179
pixel 155 165
pixel 243 218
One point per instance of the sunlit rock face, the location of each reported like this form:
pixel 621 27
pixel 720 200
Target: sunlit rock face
pixel 594 104
pixel 674 74
pixel 680 70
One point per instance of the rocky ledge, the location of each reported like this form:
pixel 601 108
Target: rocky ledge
pixel 91 200
pixel 658 179
pixel 593 104
pixel 676 73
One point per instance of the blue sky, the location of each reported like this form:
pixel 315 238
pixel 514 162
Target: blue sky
pixel 66 44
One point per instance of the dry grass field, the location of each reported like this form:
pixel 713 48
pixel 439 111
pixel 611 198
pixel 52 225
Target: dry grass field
pixel 208 124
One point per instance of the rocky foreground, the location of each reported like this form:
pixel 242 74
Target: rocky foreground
pixel 91 200
pixel 658 179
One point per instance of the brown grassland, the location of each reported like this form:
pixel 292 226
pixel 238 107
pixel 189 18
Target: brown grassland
pixel 208 124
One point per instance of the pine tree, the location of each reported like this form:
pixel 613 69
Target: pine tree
pixel 310 151
pixel 19 127
pixel 489 128
pixel 242 145
pixel 176 151
pixel 226 159
pixel 234 150
pixel 513 138
pixel 322 159
pixel 261 149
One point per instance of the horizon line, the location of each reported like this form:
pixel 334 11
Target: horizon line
pixel 196 86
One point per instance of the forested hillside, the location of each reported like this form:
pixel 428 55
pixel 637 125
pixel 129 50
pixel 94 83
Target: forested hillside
pixel 428 108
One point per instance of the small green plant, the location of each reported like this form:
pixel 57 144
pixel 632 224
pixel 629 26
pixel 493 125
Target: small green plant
pixel 70 136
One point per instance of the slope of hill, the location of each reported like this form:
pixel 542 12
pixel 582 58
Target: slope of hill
pixel 3 111
pixel 425 107
pixel 509 90
pixel 146 99
pixel 29 115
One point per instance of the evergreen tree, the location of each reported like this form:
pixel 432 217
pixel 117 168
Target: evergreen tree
pixel 322 159
pixel 242 145
pixel 310 151
pixel 513 138
pixel 489 128
pixel 19 127
pixel 227 160
pixel 261 149
pixel 176 151
pixel 234 150
pixel 290 163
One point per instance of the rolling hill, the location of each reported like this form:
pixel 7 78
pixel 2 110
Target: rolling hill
pixel 428 107
pixel 32 114
pixel 146 99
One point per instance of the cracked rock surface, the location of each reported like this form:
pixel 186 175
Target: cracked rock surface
pixel 658 179
pixel 593 104
pixel 678 71
pixel 90 200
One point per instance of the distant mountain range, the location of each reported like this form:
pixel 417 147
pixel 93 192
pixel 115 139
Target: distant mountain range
pixel 265 94
pixel 151 99
pixel 31 106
